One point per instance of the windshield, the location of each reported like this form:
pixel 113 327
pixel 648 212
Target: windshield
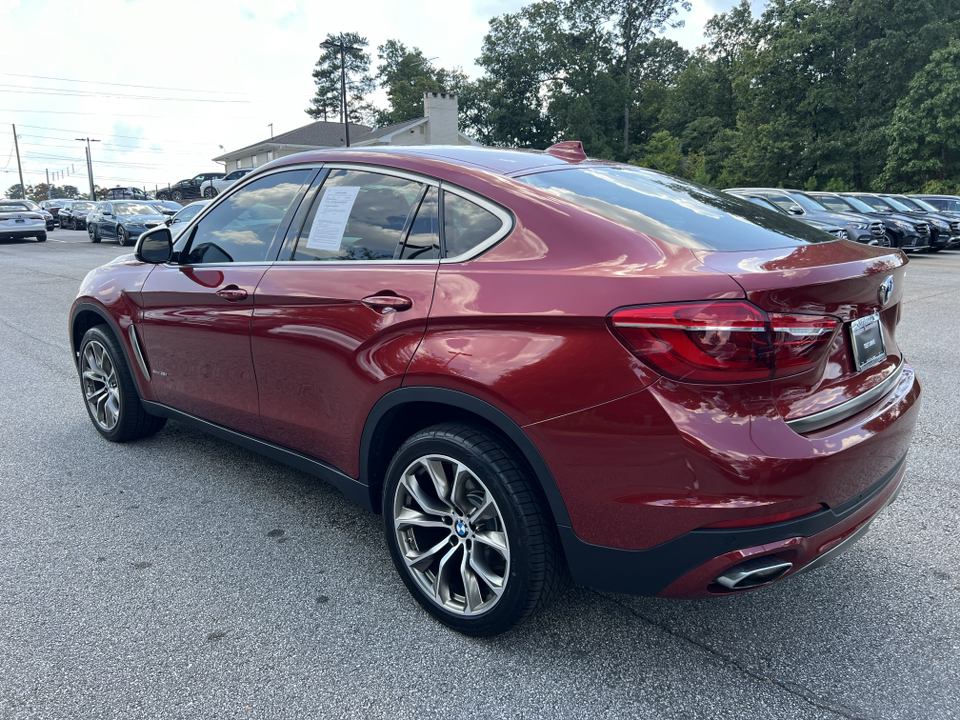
pixel 807 202
pixel 858 204
pixel 836 204
pixel 923 205
pixel 133 209
pixel 674 210
pixel 82 207
pixel 897 205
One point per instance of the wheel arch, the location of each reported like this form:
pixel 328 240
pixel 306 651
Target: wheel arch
pixel 404 411
pixel 86 315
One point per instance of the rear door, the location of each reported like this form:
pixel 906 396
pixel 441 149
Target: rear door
pixel 196 325
pixel 340 314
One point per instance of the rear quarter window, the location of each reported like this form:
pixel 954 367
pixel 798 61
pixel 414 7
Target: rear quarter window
pixel 675 210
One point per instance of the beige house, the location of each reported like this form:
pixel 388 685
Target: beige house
pixel 438 126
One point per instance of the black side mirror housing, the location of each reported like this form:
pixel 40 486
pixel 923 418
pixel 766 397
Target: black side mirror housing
pixel 155 246
pixel 795 210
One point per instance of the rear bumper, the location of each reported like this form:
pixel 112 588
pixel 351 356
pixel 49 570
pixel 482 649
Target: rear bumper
pixel 640 494
pixel 687 566
pixel 18 234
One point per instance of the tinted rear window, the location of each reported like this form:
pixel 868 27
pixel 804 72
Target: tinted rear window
pixel 674 210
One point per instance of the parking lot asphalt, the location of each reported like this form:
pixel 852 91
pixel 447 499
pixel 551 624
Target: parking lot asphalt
pixel 184 577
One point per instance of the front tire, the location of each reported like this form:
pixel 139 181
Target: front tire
pixel 109 392
pixel 94 235
pixel 468 532
pixel 121 236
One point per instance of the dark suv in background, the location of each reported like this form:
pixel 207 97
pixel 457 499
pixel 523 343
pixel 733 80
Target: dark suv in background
pixel 187 189
pixel 905 232
pixel 887 204
pixel 947 225
pixel 795 202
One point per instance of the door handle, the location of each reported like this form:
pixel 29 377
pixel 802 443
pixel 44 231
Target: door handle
pixel 387 303
pixel 232 293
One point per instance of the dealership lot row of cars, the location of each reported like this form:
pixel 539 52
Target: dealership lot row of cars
pixel 912 223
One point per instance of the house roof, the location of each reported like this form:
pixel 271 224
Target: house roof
pixel 316 134
pixel 385 132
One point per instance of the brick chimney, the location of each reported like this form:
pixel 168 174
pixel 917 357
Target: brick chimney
pixel 440 109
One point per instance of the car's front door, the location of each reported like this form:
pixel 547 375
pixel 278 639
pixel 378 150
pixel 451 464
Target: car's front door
pixel 340 314
pixel 197 311
pixel 108 222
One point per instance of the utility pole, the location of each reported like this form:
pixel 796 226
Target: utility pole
pixel 343 84
pixel 48 184
pixel 23 188
pixel 93 194
pixel 271 130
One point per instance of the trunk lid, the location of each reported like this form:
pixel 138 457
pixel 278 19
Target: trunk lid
pixel 838 279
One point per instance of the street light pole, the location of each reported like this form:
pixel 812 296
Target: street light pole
pixel 93 193
pixel 23 188
pixel 343 83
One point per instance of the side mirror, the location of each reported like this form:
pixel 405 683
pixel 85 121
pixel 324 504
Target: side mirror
pixel 168 220
pixel 795 210
pixel 155 246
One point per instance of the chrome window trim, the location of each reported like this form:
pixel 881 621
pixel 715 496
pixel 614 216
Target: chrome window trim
pixel 819 420
pixel 505 217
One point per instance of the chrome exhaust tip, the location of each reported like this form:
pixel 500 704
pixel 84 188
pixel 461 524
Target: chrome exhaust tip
pixel 754 573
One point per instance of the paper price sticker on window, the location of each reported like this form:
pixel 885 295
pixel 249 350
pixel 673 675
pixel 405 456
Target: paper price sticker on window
pixel 330 222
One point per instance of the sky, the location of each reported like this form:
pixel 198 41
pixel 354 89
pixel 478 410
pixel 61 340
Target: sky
pixel 163 84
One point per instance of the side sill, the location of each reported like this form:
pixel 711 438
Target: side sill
pixel 353 489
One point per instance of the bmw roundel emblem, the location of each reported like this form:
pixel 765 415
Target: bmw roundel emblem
pixel 886 290
pixel 461 528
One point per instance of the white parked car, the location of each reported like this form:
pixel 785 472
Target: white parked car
pixel 212 188
pixel 18 220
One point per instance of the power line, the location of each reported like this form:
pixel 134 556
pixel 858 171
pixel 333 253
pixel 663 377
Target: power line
pixel 147 87
pixel 126 115
pixel 126 137
pixel 90 93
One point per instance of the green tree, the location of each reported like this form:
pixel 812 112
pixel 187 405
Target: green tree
pixel 326 104
pixel 924 137
pixel 636 22
pixel 406 74
pixel 15 192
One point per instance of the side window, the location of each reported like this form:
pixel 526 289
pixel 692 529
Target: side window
pixel 781 201
pixel 358 216
pixel 466 225
pixel 242 227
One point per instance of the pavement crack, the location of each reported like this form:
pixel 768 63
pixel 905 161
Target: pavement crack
pixel 799 691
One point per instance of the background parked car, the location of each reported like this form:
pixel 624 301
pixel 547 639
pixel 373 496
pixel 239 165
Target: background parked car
pixel 47 217
pixel 127 193
pixel 186 189
pixel 53 207
pixel 167 208
pixel 886 204
pixel 835 230
pixel 122 220
pixel 801 204
pixel 212 188
pixel 78 214
pixel 947 225
pixel 947 204
pixel 902 231
pixel 179 221
pixel 18 220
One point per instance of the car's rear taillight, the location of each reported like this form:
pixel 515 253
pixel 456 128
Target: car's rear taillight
pixel 722 341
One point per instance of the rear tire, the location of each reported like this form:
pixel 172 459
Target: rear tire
pixel 468 532
pixel 109 392
pixel 210 192
pixel 177 196
pixel 42 237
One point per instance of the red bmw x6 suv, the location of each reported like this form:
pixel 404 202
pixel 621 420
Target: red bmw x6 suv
pixel 538 367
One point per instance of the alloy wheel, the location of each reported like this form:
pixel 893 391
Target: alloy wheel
pixel 451 534
pixel 100 385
